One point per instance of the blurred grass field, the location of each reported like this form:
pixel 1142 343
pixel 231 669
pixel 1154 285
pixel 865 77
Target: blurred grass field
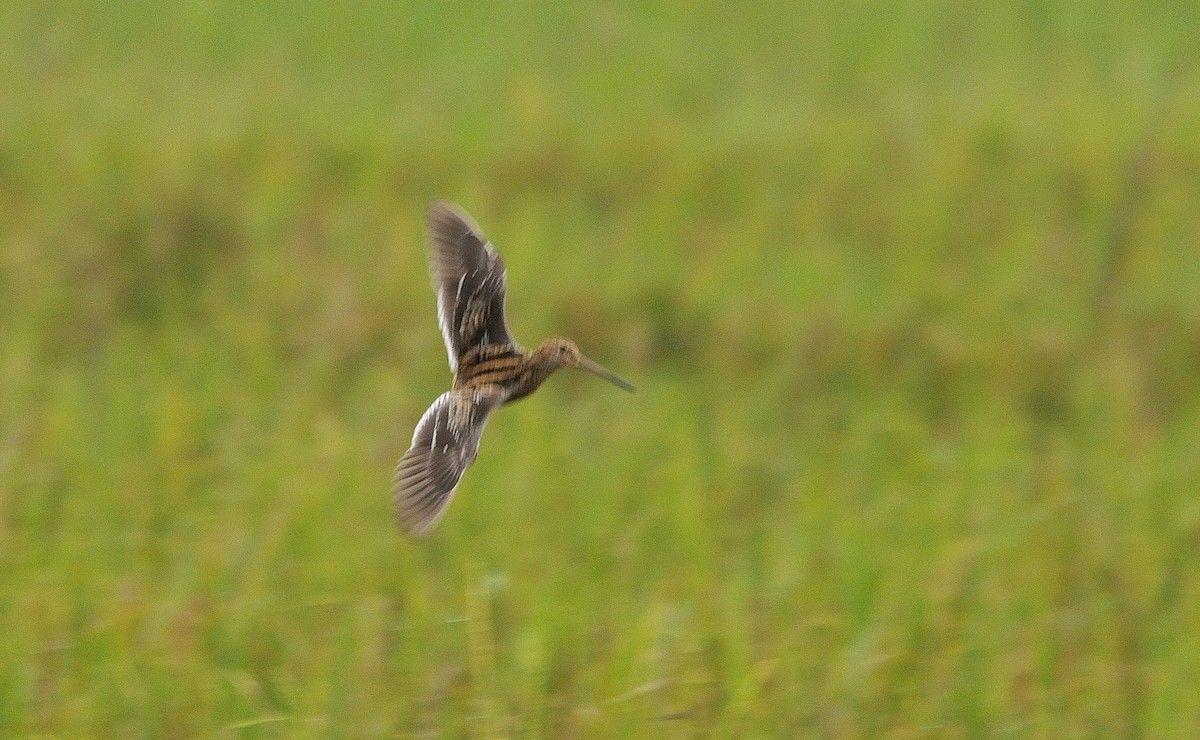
pixel 909 292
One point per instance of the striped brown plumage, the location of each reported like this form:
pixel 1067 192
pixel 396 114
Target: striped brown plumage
pixel 490 369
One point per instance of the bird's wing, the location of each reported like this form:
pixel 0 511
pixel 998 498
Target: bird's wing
pixel 443 445
pixel 469 278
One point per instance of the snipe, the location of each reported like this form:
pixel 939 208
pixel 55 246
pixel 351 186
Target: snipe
pixel 490 369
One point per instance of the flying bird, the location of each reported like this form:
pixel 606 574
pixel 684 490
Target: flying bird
pixel 490 368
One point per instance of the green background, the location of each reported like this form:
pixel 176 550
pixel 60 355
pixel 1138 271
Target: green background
pixel 909 292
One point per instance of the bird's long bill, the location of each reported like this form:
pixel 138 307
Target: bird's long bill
pixel 608 375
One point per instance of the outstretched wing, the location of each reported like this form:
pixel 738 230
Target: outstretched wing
pixel 444 444
pixel 469 278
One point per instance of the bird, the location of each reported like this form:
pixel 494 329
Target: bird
pixel 490 368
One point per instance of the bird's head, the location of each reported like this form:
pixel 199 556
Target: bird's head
pixel 562 352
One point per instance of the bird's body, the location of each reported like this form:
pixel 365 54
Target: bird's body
pixel 490 369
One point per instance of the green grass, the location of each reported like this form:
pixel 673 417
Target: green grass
pixel 908 291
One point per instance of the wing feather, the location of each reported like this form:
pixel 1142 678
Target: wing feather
pixel 444 444
pixel 469 278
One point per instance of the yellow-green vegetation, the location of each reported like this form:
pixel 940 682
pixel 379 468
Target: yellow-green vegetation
pixel 909 291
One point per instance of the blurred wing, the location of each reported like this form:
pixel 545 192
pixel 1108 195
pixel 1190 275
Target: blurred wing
pixel 469 278
pixel 444 444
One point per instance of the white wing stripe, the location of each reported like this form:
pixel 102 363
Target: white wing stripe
pixel 444 324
